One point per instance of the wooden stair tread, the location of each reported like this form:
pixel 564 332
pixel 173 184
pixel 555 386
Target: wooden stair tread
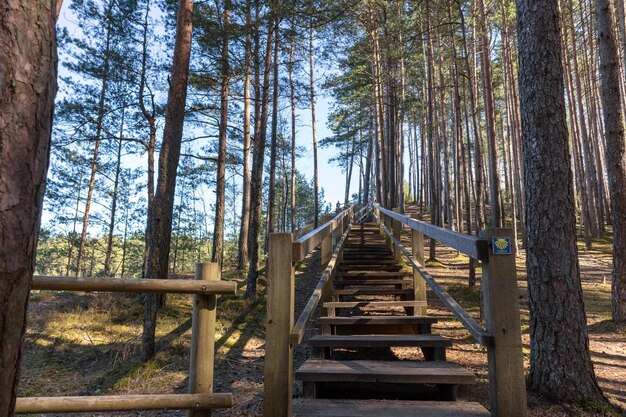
pixel 369 261
pixel 351 304
pixel 377 320
pixel 386 281
pixel 377 408
pixel 372 291
pixel 377 274
pixel 408 372
pixel 418 340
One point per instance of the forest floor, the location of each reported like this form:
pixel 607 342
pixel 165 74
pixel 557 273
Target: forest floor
pixel 88 344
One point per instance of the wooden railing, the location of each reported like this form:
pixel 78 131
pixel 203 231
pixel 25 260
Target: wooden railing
pixel 281 333
pixel 500 299
pixel 201 399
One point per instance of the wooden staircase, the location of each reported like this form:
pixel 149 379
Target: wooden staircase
pixel 371 311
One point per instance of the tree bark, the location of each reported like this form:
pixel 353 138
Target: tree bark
pixel 560 364
pixel 220 192
pixel 256 197
pixel 242 257
pixel 28 61
pixel 316 209
pixel 160 239
pixel 615 149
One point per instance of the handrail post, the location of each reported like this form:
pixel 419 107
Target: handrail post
pixel 202 353
pixel 419 285
pixel 280 310
pixel 327 242
pixel 502 315
pixel 397 233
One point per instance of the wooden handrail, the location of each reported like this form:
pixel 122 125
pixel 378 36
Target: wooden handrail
pixel 478 333
pixel 472 246
pixel 297 333
pixel 305 245
pixel 161 286
pixel 45 405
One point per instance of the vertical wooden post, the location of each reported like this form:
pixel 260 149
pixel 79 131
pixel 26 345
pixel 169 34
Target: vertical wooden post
pixel 396 228
pixel 327 242
pixel 419 285
pixel 203 337
pixel 502 315
pixel 277 386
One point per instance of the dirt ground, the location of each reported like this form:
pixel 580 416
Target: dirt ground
pixel 88 344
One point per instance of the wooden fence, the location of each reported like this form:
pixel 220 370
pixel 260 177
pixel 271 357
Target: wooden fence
pixel 281 332
pixel 201 399
pixel 494 248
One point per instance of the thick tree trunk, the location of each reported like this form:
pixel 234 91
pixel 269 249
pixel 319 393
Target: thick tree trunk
pixel 292 98
pixel 242 257
pixel 220 192
pixel 615 149
pixel 27 86
pixel 560 364
pixel 160 239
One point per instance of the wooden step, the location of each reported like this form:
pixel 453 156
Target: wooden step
pixel 349 262
pixel 372 268
pixel 403 372
pixel 361 341
pixel 376 408
pixel 374 274
pixel 433 347
pixel 378 320
pixel 355 304
pixel 340 283
pixel 376 325
pixel 372 291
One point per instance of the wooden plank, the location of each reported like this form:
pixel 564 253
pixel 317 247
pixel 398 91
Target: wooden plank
pixel 45 405
pixel 161 286
pixel 402 372
pixel 472 246
pixel 369 282
pixel 507 385
pixel 280 306
pixel 384 320
pixel 419 340
pixel 372 291
pixel 419 286
pixel 354 304
pixel 397 232
pixel 377 274
pixel 376 408
pixel 327 243
pixel 203 337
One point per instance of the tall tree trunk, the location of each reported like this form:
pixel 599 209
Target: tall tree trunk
pixel 560 364
pixel 615 149
pixel 28 72
pixel 220 192
pixel 160 239
pixel 98 137
pixel 271 203
pixel 242 255
pixel 256 185
pixel 490 117
pixel 316 209
pixel 118 168
pixel 292 101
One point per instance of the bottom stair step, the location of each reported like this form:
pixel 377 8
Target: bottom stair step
pixel 372 408
pixel 403 372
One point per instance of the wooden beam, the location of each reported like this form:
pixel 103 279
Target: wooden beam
pixel 305 245
pixel 45 405
pixel 202 353
pixel 507 385
pixel 161 286
pixel 277 386
pixel 419 285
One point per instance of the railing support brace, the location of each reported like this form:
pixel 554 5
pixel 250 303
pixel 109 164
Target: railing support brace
pixel 502 316
pixel 280 320
pixel 203 337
